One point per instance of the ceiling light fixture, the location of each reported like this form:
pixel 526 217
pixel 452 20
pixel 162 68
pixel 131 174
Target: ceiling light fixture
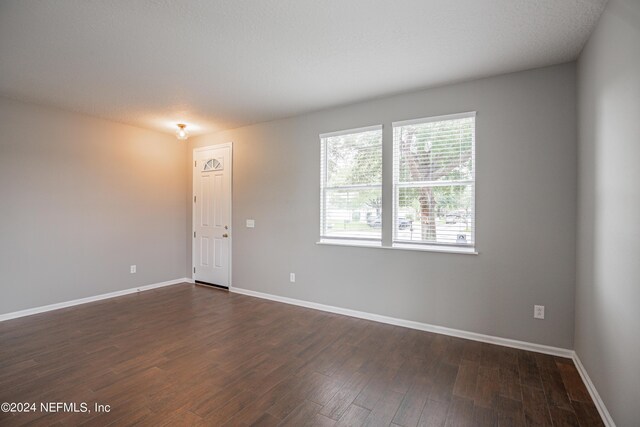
pixel 182 133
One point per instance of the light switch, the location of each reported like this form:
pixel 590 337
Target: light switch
pixel 251 223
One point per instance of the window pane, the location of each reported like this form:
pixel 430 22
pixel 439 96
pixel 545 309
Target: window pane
pixel 351 184
pixel 433 178
pixel 353 213
pixel 354 159
pixel 442 214
pixel 435 151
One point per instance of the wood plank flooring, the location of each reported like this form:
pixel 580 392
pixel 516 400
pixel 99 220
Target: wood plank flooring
pixel 190 355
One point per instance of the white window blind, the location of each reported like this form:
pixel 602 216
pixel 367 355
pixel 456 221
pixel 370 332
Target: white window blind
pixel 351 185
pixel 434 181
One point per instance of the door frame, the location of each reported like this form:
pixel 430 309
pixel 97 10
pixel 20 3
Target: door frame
pixel 193 211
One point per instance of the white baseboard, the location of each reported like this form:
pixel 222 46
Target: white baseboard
pixel 597 400
pixel 539 348
pixel 51 307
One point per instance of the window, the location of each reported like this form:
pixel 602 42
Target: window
pixel 434 181
pixel 433 186
pixel 212 165
pixel 351 186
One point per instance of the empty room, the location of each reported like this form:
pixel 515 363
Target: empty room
pixel 319 213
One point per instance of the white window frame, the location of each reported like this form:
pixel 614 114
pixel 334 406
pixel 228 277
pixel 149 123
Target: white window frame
pixel 356 241
pixel 470 249
pixel 405 244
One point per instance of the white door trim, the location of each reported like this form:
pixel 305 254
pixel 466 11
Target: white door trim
pixel 193 211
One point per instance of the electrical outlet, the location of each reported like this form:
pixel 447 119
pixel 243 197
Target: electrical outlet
pixel 538 311
pixel 251 223
pixel 133 269
pixel 292 277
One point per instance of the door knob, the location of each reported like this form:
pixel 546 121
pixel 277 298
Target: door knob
pixel 225 235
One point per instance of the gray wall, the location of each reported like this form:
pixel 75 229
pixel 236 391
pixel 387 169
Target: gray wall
pixel 526 209
pixel 81 200
pixel 607 336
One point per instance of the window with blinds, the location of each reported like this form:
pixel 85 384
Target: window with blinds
pixel 434 181
pixel 351 185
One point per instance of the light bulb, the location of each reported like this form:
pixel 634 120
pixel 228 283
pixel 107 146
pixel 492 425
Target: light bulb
pixel 182 133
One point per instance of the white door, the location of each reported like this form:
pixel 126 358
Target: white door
pixel 212 215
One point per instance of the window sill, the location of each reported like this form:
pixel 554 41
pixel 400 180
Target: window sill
pixel 399 246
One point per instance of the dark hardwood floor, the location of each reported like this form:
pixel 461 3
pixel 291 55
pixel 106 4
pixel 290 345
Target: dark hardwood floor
pixel 189 355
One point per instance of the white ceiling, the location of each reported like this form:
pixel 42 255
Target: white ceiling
pixel 224 64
